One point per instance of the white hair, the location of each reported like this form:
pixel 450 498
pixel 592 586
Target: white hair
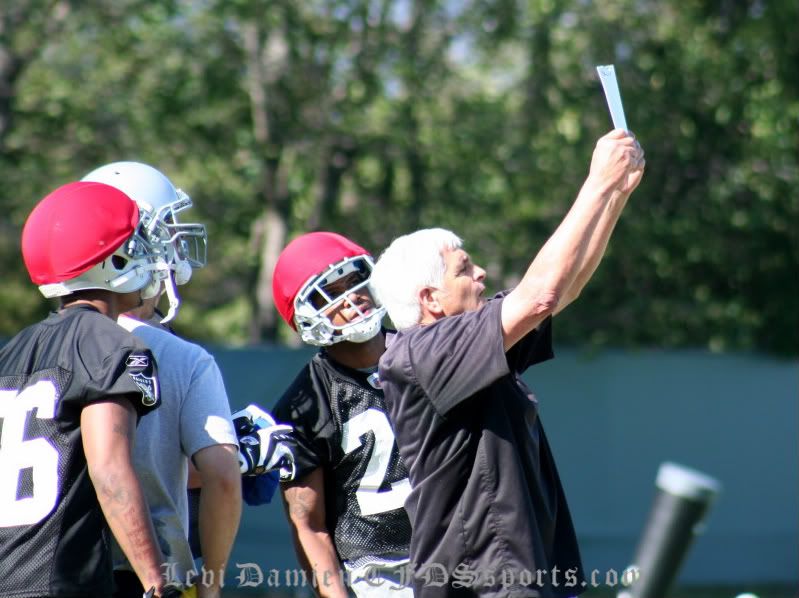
pixel 411 263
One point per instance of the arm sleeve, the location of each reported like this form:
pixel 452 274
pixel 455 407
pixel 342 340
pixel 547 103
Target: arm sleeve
pixel 458 356
pixel 127 372
pixel 301 407
pixel 533 348
pixel 205 412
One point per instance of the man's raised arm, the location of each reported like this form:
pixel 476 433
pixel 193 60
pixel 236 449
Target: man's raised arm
pixel 568 259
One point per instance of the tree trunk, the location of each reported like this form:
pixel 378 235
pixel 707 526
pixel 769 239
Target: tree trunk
pixel 272 229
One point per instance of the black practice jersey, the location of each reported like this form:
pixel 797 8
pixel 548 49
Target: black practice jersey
pixel 53 537
pixel 341 425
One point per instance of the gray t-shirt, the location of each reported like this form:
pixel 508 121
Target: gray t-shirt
pixel 487 508
pixel 194 415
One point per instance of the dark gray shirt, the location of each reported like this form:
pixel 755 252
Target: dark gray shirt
pixel 487 509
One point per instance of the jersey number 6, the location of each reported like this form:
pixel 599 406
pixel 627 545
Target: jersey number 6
pixel 18 454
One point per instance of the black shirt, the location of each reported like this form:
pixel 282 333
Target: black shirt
pixel 53 536
pixel 487 508
pixel 340 424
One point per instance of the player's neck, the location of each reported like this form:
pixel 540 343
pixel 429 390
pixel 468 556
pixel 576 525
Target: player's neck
pixel 358 355
pixel 101 305
pixel 107 303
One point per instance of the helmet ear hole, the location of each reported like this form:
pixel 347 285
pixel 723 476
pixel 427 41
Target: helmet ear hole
pixel 118 262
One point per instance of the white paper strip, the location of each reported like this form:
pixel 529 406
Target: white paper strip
pixel 607 75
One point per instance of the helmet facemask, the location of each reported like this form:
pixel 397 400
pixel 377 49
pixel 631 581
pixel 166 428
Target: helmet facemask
pixel 314 302
pixel 183 242
pixel 182 247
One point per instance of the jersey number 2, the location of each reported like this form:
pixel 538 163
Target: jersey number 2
pixel 370 499
pixel 17 454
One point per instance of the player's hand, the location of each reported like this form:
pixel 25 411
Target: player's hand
pixel 618 162
pixel 264 445
pixel 634 177
pixel 172 591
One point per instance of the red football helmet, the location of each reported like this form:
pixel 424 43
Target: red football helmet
pixel 88 236
pixel 304 269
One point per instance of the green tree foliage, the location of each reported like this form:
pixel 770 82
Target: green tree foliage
pixel 373 118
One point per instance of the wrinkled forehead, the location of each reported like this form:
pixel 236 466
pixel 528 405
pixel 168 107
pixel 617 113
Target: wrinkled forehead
pixel 453 258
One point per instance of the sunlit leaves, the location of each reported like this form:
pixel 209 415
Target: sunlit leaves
pixel 478 116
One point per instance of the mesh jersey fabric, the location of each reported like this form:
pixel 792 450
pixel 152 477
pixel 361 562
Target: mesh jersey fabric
pixel 48 373
pixel 340 424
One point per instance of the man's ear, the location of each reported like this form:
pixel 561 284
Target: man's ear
pixel 430 305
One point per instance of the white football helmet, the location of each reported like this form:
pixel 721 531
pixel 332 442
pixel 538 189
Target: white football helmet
pixel 130 268
pixel 180 246
pixel 309 314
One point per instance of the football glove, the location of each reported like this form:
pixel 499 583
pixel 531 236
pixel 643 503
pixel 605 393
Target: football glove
pixel 264 445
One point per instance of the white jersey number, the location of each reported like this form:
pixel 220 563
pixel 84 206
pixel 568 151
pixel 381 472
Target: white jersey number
pixel 370 499
pixel 36 454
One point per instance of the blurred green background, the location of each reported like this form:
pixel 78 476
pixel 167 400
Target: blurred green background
pixel 374 117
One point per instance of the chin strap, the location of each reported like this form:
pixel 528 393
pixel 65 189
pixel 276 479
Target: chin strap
pixel 174 299
pixel 177 275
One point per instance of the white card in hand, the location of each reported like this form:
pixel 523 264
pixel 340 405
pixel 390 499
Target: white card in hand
pixel 607 75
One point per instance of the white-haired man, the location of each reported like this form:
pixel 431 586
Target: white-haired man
pixel 487 509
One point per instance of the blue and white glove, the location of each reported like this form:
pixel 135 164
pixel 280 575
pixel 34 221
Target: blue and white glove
pixel 264 445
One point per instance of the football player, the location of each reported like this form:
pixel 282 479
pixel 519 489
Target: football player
pixel 194 422
pixel 345 505
pixel 72 388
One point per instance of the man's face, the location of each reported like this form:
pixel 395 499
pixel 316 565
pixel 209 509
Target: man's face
pixel 344 312
pixel 462 289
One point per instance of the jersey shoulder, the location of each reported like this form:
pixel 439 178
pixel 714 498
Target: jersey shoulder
pixel 114 361
pixel 99 337
pixel 305 402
